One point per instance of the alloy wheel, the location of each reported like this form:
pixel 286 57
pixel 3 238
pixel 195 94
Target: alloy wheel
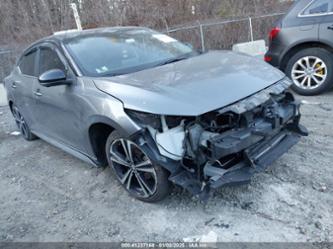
pixel 133 168
pixel 20 122
pixel 309 72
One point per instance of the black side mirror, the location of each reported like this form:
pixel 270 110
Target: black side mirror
pixel 53 77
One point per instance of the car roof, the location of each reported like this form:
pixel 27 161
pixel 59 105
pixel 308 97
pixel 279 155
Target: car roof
pixel 77 33
pixel 59 37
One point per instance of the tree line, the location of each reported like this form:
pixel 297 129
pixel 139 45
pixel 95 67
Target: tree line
pixel 23 21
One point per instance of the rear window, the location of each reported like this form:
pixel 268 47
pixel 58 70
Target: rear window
pixel 319 7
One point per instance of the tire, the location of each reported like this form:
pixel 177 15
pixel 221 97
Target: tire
pixel 315 59
pixel 152 173
pixel 22 124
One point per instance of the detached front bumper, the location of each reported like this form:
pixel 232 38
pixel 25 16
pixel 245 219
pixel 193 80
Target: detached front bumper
pixel 259 145
pixel 257 159
pixel 268 138
pixel 260 129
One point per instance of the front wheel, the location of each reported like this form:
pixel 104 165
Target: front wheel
pixel 22 124
pixel 311 71
pixel 136 172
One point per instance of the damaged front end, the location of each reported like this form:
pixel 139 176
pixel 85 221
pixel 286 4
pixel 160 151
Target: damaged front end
pixel 224 147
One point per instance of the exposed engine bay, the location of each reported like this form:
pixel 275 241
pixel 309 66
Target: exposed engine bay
pixel 226 146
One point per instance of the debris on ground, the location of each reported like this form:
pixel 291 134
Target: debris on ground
pixel 15 133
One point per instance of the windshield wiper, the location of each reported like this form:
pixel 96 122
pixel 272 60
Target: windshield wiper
pixel 127 71
pixel 180 58
pixel 110 74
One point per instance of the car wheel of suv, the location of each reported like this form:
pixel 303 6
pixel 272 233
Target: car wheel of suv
pixel 311 71
pixel 22 125
pixel 137 173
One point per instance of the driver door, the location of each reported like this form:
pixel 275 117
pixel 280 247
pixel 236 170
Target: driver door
pixel 54 108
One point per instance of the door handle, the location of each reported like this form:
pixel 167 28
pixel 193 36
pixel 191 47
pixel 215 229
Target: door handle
pixel 330 27
pixel 38 93
pixel 14 84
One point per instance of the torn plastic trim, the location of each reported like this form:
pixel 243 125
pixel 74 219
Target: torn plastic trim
pixel 178 174
pixel 170 142
pixel 147 143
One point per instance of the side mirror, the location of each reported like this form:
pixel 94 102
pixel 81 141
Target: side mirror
pixel 53 77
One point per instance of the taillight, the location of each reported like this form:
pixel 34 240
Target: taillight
pixel 268 58
pixel 274 33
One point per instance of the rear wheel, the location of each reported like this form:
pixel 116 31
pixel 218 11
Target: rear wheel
pixel 311 71
pixel 136 172
pixel 22 125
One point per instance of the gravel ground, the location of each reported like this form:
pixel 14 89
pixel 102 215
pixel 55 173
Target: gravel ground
pixel 48 195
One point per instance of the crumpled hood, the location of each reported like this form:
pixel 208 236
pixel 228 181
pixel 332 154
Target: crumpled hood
pixel 194 86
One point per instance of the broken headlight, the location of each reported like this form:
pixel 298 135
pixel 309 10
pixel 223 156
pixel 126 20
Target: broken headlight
pixel 145 119
pixel 155 121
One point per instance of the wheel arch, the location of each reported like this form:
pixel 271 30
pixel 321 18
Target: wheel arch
pixel 98 131
pixel 98 135
pixel 300 46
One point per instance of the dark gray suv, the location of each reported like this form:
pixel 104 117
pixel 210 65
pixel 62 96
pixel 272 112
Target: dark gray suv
pixel 153 109
pixel 301 45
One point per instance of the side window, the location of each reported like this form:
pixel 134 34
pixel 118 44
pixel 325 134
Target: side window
pixel 48 60
pixel 27 64
pixel 318 7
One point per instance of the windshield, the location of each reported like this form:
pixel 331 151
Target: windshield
pixel 124 51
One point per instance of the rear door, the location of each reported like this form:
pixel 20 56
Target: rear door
pixel 326 27
pixel 22 84
pixel 55 106
pixel 322 12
